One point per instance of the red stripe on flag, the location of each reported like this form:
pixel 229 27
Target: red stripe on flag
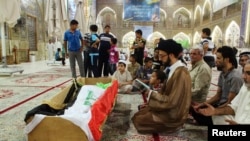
pixel 101 109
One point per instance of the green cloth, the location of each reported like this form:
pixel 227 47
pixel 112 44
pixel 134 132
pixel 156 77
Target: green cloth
pixel 102 85
pixel 184 43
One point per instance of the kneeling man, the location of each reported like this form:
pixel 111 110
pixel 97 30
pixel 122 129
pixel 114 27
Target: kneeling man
pixel 167 110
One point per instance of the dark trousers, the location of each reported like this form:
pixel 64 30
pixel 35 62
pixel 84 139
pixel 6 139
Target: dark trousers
pixel 93 59
pixel 87 64
pixel 210 61
pixel 61 59
pixel 112 68
pixel 139 59
pixel 201 119
pixel 103 65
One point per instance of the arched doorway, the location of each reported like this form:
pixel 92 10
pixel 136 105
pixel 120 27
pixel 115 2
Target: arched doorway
pixel 217 36
pixel 182 18
pixel 107 16
pixel 232 34
pixel 183 39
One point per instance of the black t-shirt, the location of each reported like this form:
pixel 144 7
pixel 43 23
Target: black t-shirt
pixel 157 64
pixel 139 52
pixel 105 43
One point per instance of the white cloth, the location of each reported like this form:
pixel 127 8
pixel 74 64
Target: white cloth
pixel 60 17
pixel 80 17
pixel 174 67
pixel 125 88
pixel 79 113
pixel 99 23
pixel 241 106
pixel 10 11
pixel 35 121
pixel 50 51
pixel 85 99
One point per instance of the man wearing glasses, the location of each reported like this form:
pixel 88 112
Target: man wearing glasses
pixel 167 110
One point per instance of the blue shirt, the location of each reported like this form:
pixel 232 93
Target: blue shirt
pixel 73 39
pixel 143 73
pixel 57 55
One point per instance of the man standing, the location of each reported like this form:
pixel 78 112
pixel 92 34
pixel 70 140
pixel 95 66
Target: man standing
pixel 74 48
pixel 200 76
pixel 168 110
pixel 103 63
pixel 229 84
pixel 50 50
pixel 139 46
pixel 238 111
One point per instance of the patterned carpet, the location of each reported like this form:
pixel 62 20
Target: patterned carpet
pixel 11 122
pixel 118 126
pixel 18 89
pixel 44 78
pixel 10 95
pixel 15 93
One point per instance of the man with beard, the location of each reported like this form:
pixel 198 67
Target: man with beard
pixel 229 84
pixel 168 109
pixel 238 112
pixel 243 57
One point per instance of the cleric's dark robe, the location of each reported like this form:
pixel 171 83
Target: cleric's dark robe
pixel 167 110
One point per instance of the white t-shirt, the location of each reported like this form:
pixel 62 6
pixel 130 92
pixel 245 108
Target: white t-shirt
pixel 210 46
pixel 122 77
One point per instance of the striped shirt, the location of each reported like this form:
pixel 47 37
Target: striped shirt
pixel 104 44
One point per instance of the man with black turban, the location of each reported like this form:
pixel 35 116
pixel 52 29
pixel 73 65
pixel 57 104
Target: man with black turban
pixel 167 110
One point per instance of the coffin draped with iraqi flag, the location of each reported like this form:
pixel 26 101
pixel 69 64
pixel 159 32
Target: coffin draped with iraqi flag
pixel 83 120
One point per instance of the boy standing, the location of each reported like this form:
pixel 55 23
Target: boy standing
pixel 139 46
pixel 114 56
pixel 74 48
pixel 208 47
pixel 104 48
pixel 91 52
